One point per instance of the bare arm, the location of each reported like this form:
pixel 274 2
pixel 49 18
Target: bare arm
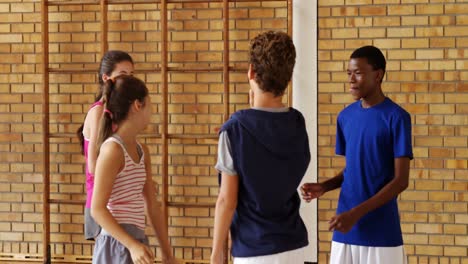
pixel 225 207
pixel 346 220
pixel 109 163
pixel 311 191
pixel 389 191
pixel 333 183
pixel 94 116
pixel 154 212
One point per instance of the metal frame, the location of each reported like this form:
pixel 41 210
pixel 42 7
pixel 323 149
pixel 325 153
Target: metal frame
pixel 164 69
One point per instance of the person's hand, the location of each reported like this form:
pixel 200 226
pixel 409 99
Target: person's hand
pixel 343 222
pixel 141 254
pixel 310 191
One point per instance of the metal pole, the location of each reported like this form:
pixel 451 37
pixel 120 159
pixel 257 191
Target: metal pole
pixel 226 88
pixel 104 28
pixel 45 134
pixel 164 132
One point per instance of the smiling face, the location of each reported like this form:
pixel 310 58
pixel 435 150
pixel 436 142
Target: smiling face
pixel 121 68
pixel 364 81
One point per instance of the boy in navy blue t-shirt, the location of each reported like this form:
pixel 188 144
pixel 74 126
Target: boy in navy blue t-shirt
pixel 263 154
pixel 374 134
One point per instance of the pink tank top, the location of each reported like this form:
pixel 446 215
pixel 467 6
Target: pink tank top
pixel 89 175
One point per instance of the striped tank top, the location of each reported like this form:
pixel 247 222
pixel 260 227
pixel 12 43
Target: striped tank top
pixel 126 202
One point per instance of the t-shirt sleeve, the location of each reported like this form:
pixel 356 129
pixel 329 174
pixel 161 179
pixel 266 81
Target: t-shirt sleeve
pixel 225 162
pixel 340 146
pixel 401 131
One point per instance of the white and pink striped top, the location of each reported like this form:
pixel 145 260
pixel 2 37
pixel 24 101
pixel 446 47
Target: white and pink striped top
pixel 126 202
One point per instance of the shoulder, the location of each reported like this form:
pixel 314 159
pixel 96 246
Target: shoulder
pixel 111 150
pixel 349 110
pixel 96 109
pixel 146 152
pixel 233 120
pixel 295 114
pixel 144 147
pixel 95 113
pixel 397 111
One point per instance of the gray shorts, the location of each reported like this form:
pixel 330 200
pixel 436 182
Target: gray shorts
pixel 108 250
pixel 91 228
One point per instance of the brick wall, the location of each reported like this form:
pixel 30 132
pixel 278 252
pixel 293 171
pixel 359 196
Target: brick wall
pixel 426 45
pixel 195 108
pixel 424 41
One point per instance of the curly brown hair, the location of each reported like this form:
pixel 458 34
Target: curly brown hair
pixel 272 56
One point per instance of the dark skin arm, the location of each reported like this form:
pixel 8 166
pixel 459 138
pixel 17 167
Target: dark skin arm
pixel 346 220
pixel 311 191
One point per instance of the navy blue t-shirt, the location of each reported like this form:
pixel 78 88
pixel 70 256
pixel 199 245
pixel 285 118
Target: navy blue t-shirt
pixel 270 153
pixel 371 139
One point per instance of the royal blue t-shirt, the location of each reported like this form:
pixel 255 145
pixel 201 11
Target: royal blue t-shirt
pixel 371 139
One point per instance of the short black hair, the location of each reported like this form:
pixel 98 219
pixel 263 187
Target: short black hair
pixel 373 55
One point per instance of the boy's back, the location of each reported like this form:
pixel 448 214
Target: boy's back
pixel 263 153
pixel 270 153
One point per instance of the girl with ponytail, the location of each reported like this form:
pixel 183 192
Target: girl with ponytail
pixel 113 63
pixel 123 187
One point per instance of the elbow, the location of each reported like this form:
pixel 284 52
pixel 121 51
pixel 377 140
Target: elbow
pixel 226 203
pixel 403 185
pixel 95 213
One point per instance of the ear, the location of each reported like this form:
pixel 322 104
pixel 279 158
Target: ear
pixel 380 75
pixel 105 77
pixel 251 73
pixel 137 105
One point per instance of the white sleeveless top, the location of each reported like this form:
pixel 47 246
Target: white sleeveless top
pixel 126 202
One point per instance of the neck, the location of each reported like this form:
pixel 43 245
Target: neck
pixel 127 133
pixel 373 99
pixel 266 100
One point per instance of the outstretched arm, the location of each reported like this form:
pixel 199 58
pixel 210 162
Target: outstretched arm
pixel 154 212
pixel 345 221
pixel 311 191
pixel 225 207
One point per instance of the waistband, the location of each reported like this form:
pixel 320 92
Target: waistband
pixel 132 230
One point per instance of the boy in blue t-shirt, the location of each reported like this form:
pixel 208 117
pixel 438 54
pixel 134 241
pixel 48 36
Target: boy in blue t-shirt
pixel 263 154
pixel 374 134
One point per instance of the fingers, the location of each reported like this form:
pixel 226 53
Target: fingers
pixel 150 254
pixel 144 260
pixel 339 223
pixel 305 187
pixel 307 197
pixel 146 257
pixel 334 223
